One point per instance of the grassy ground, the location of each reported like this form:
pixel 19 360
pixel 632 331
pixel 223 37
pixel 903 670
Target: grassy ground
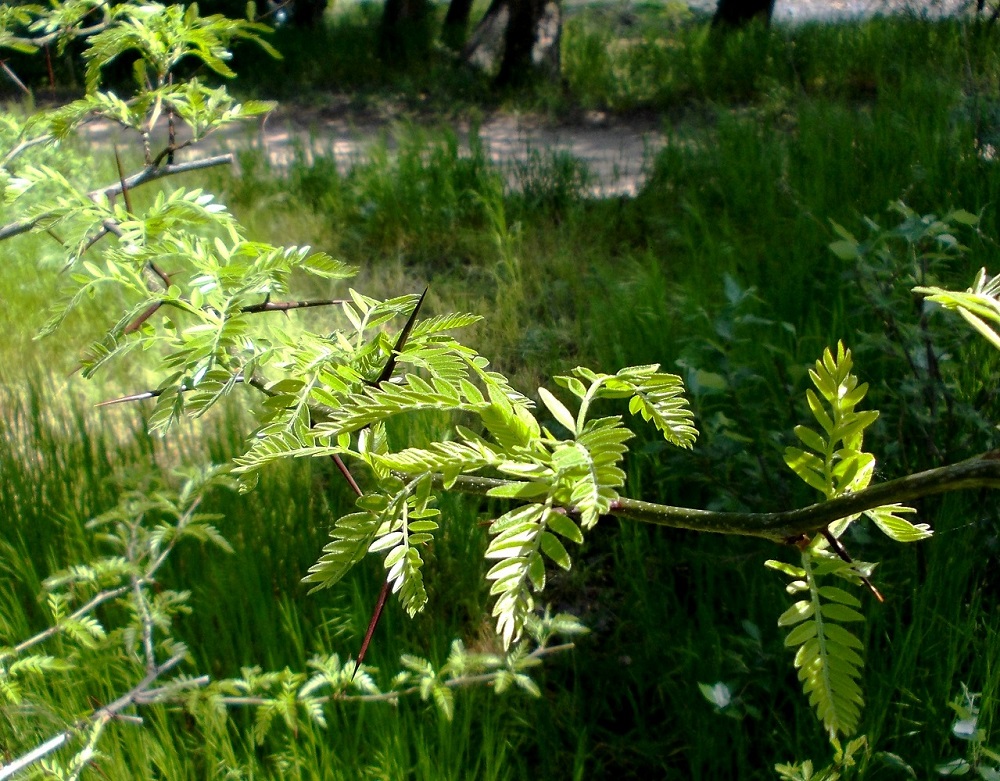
pixel 719 270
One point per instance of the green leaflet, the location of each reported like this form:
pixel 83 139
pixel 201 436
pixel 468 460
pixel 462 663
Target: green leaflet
pixel 826 657
pixel 351 536
pixel 979 305
pixel 655 396
pixel 516 549
pixel 833 462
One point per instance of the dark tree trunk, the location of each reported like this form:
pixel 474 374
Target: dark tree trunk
pixel 523 35
pixel 306 13
pixel 456 23
pixel 738 13
pixel 405 32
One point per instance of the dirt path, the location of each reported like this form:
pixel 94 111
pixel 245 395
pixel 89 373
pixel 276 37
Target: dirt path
pixel 615 151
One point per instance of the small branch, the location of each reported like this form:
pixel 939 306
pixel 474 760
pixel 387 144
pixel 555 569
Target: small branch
pixel 24 146
pixel 107 713
pixel 13 77
pixel 285 306
pixel 42 751
pixel 982 471
pixel 152 172
pixel 159 694
pixel 142 609
pixel 392 696
pixel 132 696
pixel 147 174
pixel 12 229
pixel 55 629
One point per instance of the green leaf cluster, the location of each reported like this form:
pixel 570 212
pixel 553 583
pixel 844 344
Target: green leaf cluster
pixel 834 463
pixel 827 653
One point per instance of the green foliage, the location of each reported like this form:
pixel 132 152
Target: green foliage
pixel 191 290
pixel 978 305
pixel 826 655
pixel 919 356
pixel 981 760
pixel 834 464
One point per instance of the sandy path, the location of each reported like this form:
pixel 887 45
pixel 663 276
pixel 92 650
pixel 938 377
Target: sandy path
pixel 614 151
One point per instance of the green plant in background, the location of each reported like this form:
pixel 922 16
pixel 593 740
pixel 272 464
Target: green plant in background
pixel 980 759
pixel 192 292
pixel 891 266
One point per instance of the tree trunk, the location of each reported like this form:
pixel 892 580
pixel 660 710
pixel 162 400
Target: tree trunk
pixel 739 13
pixel 405 31
pixel 307 13
pixel 523 35
pixel 456 24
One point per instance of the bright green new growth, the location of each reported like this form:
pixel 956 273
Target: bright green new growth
pixel 562 479
pixel 194 290
pixel 978 305
pixel 835 464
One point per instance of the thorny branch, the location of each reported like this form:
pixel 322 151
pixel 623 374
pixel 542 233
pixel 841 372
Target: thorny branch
pixel 142 692
pixel 982 471
pixel 98 718
pixel 148 174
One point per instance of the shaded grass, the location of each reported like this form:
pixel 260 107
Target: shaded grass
pixel 720 270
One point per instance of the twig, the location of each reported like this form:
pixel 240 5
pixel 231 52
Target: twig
pixel 107 713
pixel 55 629
pixel 26 761
pixel 152 172
pixel 392 696
pixel 286 306
pixel 147 174
pixel 13 77
pixel 24 146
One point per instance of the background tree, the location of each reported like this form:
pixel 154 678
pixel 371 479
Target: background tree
pixel 523 35
pixel 737 13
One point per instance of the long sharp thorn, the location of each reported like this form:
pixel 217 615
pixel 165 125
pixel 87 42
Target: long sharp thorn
pixel 380 604
pixel 121 178
pixel 387 371
pixel 147 394
pixel 136 324
pixel 347 475
pixel 390 365
pixel 841 551
pixel 376 615
pixel 133 397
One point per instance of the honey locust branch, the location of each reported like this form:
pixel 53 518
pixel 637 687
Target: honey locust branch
pixel 393 696
pixel 981 471
pixel 148 174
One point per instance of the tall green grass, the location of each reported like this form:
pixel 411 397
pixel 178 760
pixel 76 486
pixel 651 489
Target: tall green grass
pixel 719 270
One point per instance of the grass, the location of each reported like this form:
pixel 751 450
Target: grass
pixel 719 269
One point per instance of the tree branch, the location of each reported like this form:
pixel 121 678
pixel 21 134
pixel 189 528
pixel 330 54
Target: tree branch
pixel 80 612
pixel 148 174
pixel 393 696
pixel 107 713
pixel 286 306
pixel 982 471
